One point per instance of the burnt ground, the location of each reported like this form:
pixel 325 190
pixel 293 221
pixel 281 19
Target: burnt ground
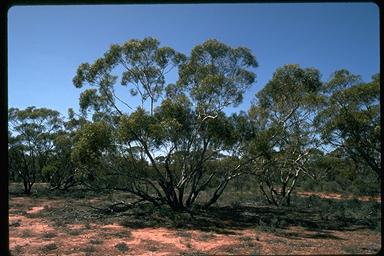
pixel 80 223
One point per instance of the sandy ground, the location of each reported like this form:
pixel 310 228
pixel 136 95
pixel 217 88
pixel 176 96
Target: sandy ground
pixel 34 235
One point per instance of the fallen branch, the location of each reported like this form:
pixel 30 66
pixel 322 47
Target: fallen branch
pixel 117 207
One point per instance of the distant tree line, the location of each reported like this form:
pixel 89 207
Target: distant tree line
pixel 297 129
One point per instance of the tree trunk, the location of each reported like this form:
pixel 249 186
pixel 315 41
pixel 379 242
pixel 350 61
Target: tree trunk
pixel 27 187
pixel 216 195
pixel 151 106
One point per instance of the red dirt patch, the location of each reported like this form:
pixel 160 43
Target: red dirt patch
pixel 340 197
pixel 35 209
pixel 35 234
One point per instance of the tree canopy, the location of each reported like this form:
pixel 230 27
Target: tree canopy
pixel 183 148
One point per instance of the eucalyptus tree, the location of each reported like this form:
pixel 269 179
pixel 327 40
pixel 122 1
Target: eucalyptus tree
pixel 14 157
pixel 283 118
pixel 144 66
pixel 91 142
pixel 31 142
pixel 164 155
pixel 321 165
pixel 61 169
pixel 350 119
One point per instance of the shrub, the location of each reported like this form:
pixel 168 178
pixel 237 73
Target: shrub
pixel 96 241
pixel 26 233
pixel 49 247
pixel 75 232
pixel 332 186
pixel 89 248
pixel 49 235
pixel 17 250
pixel 123 247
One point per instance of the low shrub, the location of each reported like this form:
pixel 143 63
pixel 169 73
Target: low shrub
pixel 122 247
pixel 49 247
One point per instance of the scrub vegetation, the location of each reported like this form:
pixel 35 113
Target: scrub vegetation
pixel 303 162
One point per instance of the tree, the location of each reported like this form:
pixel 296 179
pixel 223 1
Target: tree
pixel 164 155
pixel 14 163
pixel 145 65
pixel 31 143
pixel 61 169
pixel 350 119
pixel 216 76
pixel 284 137
pixel 89 153
pixel 320 165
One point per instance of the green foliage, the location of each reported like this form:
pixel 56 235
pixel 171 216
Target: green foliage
pixel 284 138
pixel 184 148
pixel 91 142
pixel 335 172
pixel 30 143
pixel 122 247
pixel 291 87
pixel 60 170
pixel 49 247
pixel 174 119
pixel 164 155
pixel 217 75
pixel 137 125
pixel 144 66
pixel 346 212
pixel 351 118
pixel 89 98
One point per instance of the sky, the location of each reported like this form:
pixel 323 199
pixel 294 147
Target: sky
pixel 46 44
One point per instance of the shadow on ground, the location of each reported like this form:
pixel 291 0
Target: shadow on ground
pixel 312 213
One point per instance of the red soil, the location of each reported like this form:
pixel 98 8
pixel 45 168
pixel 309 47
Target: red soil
pixel 339 196
pixel 32 235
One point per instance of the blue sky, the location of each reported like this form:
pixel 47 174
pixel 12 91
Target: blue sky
pixel 46 44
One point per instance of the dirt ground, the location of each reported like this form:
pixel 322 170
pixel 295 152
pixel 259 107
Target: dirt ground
pixel 340 197
pixel 57 225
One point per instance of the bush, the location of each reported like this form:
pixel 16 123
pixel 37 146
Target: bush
pixel 123 247
pixel 332 186
pixel 89 249
pixel 271 224
pixel 365 186
pixel 49 247
pixel 18 250
pixel 96 241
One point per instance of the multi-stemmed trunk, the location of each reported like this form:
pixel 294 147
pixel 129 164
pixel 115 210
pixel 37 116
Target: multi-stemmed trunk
pixel 283 196
pixel 180 198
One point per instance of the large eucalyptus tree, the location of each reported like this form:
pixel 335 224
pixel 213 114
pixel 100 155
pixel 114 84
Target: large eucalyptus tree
pixel 350 119
pixel 283 116
pixel 165 155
